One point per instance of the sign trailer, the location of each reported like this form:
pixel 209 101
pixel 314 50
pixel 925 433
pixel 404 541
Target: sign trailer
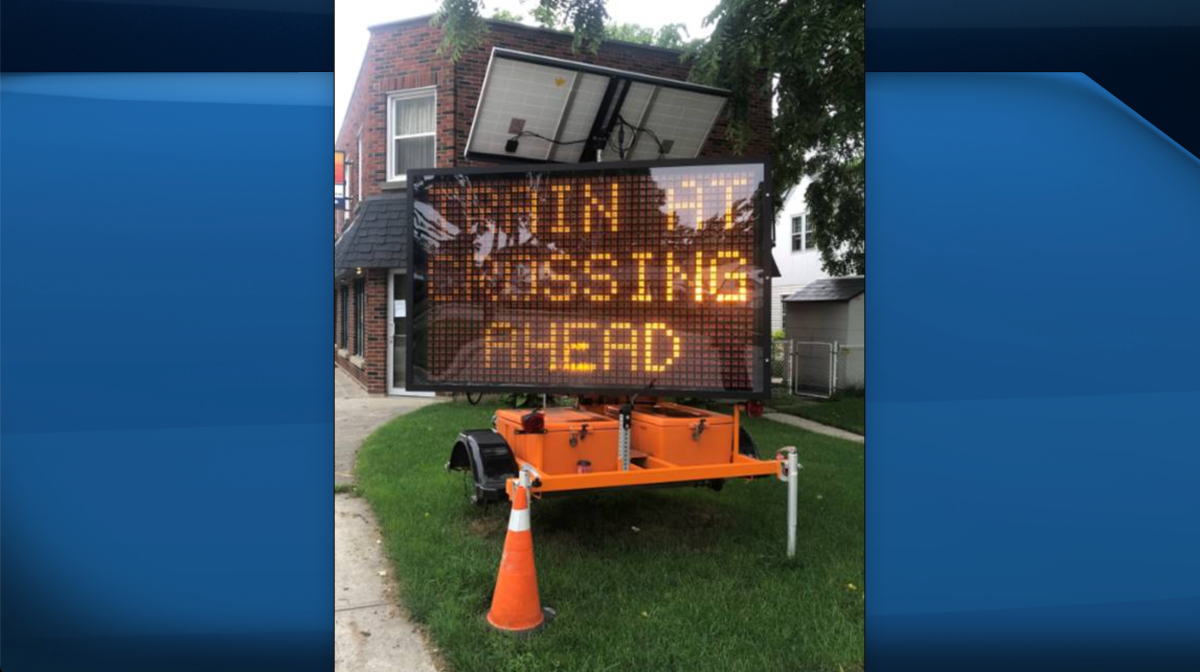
pixel 617 283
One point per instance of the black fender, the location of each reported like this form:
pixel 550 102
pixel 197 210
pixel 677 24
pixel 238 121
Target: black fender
pixel 489 459
pixel 746 444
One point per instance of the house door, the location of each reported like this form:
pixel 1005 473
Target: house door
pixel 398 334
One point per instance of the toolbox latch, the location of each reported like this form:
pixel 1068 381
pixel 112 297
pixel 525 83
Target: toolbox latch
pixel 576 437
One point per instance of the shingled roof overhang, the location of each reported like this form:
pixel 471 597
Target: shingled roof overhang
pixel 830 289
pixel 377 238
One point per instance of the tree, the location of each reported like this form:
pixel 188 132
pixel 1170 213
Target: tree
pixel 670 36
pixel 629 32
pixel 501 14
pixel 812 54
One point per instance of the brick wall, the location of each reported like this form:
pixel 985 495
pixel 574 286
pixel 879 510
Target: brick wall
pixel 372 373
pixel 400 56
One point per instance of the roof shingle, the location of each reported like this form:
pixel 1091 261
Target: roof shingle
pixel 831 289
pixel 378 236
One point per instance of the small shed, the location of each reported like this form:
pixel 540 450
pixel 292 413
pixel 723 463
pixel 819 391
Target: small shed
pixel 825 322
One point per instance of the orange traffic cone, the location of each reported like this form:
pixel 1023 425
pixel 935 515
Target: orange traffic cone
pixel 516 606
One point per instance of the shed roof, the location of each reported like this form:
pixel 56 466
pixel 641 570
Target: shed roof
pixel 830 289
pixel 377 238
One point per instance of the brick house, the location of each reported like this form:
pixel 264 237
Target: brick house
pixel 412 107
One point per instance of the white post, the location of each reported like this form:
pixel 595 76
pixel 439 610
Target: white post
pixel 791 474
pixel 793 501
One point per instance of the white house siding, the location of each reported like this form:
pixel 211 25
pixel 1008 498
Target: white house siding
pixel 780 291
pixel 852 355
pixel 796 269
pixel 856 320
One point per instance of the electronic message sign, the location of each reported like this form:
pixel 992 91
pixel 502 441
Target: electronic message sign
pixel 624 278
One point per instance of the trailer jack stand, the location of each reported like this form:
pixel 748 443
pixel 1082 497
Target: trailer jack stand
pixel 789 472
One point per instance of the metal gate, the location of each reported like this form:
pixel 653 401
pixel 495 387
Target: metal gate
pixel 812 369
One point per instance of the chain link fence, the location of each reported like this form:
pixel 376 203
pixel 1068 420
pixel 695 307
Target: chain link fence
pixel 817 368
pixel 781 364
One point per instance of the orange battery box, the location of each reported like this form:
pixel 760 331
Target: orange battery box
pixel 682 435
pixel 571 436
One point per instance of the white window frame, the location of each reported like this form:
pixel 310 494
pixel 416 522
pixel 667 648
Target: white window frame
pixel 806 245
pixel 392 137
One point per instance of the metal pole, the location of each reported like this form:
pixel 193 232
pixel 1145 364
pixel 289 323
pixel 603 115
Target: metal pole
pixel 836 349
pixel 525 480
pixel 793 500
pixel 790 472
pixel 626 417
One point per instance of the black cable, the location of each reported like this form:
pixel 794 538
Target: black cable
pixel 618 145
pixel 641 129
pixel 539 136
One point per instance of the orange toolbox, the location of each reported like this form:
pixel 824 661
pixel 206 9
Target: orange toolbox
pixel 574 441
pixel 680 435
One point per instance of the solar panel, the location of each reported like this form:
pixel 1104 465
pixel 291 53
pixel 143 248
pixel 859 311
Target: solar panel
pixel 581 112
pixel 520 97
pixel 682 118
pixel 541 109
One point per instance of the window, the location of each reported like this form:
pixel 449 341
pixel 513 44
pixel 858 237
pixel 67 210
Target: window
pixel 345 292
pixel 411 128
pixel 360 309
pixel 802 234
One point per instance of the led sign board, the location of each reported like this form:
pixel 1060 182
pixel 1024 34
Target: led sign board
pixel 641 277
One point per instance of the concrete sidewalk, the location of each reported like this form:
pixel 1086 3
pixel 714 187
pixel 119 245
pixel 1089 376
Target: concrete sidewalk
pixel 370 631
pixel 816 427
pixel 357 414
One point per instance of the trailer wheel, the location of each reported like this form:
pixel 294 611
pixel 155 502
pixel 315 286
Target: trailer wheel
pixel 471 487
pixel 468 483
pixel 746 444
pixel 486 462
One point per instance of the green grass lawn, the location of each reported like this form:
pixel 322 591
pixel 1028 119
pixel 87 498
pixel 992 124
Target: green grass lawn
pixel 702 584
pixel 848 413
